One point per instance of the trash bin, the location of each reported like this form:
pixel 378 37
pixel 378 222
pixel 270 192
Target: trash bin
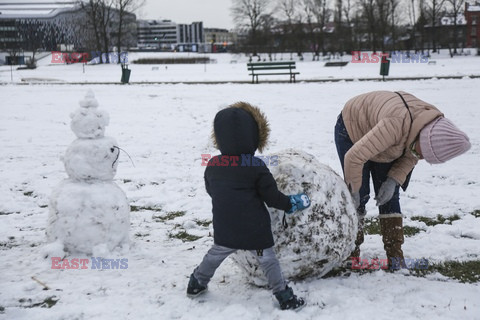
pixel 384 67
pixel 125 74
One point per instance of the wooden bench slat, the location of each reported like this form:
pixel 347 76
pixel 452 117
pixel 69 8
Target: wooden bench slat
pixel 270 63
pixel 273 73
pixel 270 68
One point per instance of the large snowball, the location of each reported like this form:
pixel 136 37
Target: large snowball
pixel 86 217
pixel 88 159
pixel 316 239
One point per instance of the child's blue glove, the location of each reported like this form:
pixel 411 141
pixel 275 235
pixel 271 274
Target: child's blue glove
pixel 299 202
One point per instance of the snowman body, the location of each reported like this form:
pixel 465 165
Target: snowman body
pixel 89 213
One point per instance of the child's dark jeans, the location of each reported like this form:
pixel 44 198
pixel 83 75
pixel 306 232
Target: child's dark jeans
pixel 268 262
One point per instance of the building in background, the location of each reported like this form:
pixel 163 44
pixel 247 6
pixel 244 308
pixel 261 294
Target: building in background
pixel 60 25
pixel 190 37
pixel 472 15
pixel 165 35
pixel 156 34
pixel 219 40
pixel 50 20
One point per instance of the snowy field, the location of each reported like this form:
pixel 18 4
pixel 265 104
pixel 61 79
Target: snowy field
pixel 165 129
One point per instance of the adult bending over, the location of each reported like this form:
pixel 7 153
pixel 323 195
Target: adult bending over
pixel 383 134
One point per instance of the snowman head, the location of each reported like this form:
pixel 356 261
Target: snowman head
pixel 92 159
pixel 88 121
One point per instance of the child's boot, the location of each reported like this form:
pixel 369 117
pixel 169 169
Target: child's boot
pixel 194 288
pixel 289 301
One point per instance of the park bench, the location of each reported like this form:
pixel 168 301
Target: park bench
pixel 271 68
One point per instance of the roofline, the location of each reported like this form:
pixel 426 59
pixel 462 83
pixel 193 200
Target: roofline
pixel 52 14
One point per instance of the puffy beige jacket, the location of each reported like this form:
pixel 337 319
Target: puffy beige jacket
pixel 381 129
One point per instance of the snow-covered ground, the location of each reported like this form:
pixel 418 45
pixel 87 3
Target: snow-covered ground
pixel 165 129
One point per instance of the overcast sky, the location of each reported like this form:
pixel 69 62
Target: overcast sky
pixel 213 13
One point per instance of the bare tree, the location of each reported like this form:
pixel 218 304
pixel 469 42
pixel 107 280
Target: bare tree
pixel 433 8
pixel 99 15
pixel 124 7
pixel 338 12
pixel 91 24
pixel 308 12
pixel 288 12
pixel 368 12
pixel 322 13
pixel 411 25
pixel 348 9
pixel 339 26
pixel 105 15
pixel 247 14
pixel 393 14
pixel 382 18
pixel 455 8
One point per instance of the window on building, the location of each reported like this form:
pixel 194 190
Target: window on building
pixel 474 20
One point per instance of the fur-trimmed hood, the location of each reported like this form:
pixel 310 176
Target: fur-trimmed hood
pixel 240 129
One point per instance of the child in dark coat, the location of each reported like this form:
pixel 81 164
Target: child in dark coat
pixel 240 185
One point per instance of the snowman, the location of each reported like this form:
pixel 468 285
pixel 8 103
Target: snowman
pixel 311 242
pixel 89 213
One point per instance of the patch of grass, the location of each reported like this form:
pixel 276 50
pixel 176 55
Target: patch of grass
pixel 184 236
pixel 8 244
pixel 47 303
pixel 339 271
pixel 141 235
pixel 168 216
pixel 185 60
pixel 438 220
pixel 134 208
pixel 475 213
pixel 346 271
pixel 467 271
pixel 28 193
pixel 7 213
pixel 203 223
pixel 372 226
pixel 463 271
pixel 410 231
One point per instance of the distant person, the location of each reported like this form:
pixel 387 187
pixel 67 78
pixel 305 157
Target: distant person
pixel 239 193
pixel 383 134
